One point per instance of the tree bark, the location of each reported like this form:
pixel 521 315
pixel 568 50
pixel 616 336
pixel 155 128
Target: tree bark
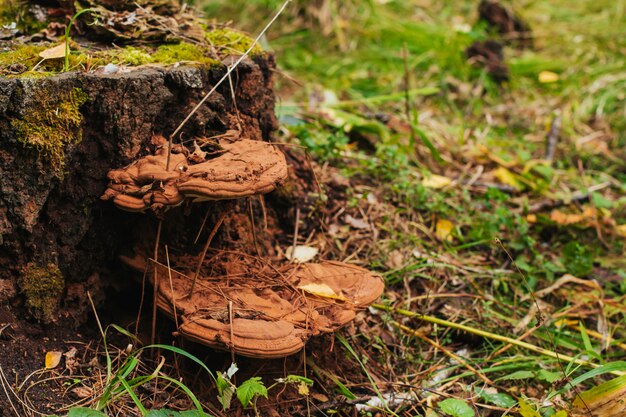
pixel 57 238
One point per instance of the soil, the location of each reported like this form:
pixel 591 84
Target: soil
pixel 489 54
pixel 505 22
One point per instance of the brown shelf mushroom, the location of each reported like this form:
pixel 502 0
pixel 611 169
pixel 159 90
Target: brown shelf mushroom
pixel 246 167
pixel 264 312
pixel 243 168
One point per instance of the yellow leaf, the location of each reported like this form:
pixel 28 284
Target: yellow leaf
pixel 507 177
pixel 531 218
pixel 303 389
pixel 526 410
pixel 321 290
pixel 495 158
pixel 436 181
pixel 565 219
pixel 621 230
pixel 604 400
pixel 546 77
pixel 54 52
pixel 53 358
pixel 443 230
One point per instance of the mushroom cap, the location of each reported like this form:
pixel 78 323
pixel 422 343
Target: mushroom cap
pixel 268 317
pixel 252 338
pixel 245 167
pixel 130 203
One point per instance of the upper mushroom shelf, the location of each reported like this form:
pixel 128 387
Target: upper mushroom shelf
pixel 237 168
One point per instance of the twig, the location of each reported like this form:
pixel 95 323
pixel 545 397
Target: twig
pixel 169 274
pixel 578 196
pixel 251 213
pixel 221 80
pixel 444 350
pixel 206 216
pixel 155 283
pixel 553 138
pixel 295 234
pixel 142 299
pixel 206 248
pixel 5 383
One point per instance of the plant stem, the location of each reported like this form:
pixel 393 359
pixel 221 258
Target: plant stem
pixel 492 336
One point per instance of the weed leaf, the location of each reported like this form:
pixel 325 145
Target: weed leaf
pixel 526 410
pixel 226 389
pixel 456 408
pixel 498 399
pixel 249 389
pixel 172 413
pixel 517 375
pixel 85 412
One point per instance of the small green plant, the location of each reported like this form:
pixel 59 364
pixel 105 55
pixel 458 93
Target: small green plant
pixel 251 389
pixel 125 379
pixel 66 64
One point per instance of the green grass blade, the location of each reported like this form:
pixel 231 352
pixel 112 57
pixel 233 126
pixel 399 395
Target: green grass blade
pixel 183 353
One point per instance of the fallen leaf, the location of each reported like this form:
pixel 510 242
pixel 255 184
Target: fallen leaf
pixel 436 181
pixel 301 254
pixel 321 290
pixel 357 223
pixel 546 77
pixel 531 218
pixel 526 410
pixel 604 400
pixel 443 230
pixel 564 219
pixel 495 158
pixel 53 358
pixel 82 392
pixel 320 397
pixel 507 177
pixel 621 230
pixel 54 52
pixel 303 389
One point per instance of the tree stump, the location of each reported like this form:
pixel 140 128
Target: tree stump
pixel 60 133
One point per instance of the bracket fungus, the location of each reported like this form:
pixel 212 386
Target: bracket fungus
pixel 260 309
pixel 264 310
pixel 240 168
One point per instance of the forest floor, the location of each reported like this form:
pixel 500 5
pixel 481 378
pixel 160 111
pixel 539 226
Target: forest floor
pixel 449 188
pixel 495 210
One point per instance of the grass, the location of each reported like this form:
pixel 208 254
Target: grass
pixel 349 108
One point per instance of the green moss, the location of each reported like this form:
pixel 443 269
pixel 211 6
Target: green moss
pixel 231 41
pixel 51 126
pixel 184 51
pixel 26 54
pixel 19 60
pixel 43 288
pixel 131 56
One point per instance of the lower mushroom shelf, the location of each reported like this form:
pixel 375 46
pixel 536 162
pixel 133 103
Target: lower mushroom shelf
pixel 264 310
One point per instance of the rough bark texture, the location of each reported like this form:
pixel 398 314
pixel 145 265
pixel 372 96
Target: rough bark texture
pixel 52 221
